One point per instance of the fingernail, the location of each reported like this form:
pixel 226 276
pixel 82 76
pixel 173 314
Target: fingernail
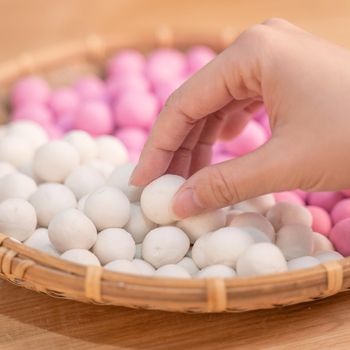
pixel 186 204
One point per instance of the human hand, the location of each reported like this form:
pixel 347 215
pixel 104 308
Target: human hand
pixel 304 83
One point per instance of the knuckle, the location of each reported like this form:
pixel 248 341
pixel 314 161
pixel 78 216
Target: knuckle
pixel 258 32
pixel 216 190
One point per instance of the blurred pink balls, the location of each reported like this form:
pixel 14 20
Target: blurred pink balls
pixel 30 90
pixel 198 57
pixel 252 137
pixel 133 138
pixel 117 86
pixel 136 109
pixel 288 196
pixel 346 193
pixel 134 156
pixel 301 194
pixel 340 237
pixel 341 211
pixel 325 200
pixel 164 89
pixel 126 62
pixel 95 118
pixel 90 88
pixel 54 132
pixel 33 112
pixel 165 65
pixel 321 221
pixel 63 101
pixel 66 121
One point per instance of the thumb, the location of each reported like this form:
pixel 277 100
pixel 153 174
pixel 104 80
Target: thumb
pixel 265 170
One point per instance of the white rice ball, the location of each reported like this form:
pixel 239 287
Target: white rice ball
pixel 114 244
pixel 50 199
pixel 165 245
pixel 112 150
pixel 40 240
pixel 261 259
pixel 321 243
pixel 104 167
pixel 189 265
pixel 122 266
pixel 16 185
pixel 303 262
pixel 16 151
pixel 144 267
pixel 84 180
pixel 173 271
pixel 83 143
pixel 71 229
pixel 157 197
pixel 81 202
pixel 55 160
pixel 17 218
pixel 216 271
pixel 6 169
pixel 138 225
pixel 81 256
pixel 120 178
pixel 323 257
pixel 107 207
pixel 196 226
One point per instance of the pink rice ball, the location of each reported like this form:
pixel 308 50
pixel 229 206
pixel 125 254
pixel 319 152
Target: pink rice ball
pixel 340 237
pixel 346 193
pixel 325 200
pixel 133 138
pixel 126 62
pixel 341 211
pixel 136 109
pixel 95 118
pixel 252 137
pixel 54 132
pixel 301 194
pixel 90 88
pixel 164 65
pixel 321 221
pixel 265 124
pixel 117 86
pixel 288 196
pixel 260 114
pixel 33 112
pixel 66 121
pixel 64 101
pixel 198 57
pixel 164 89
pixel 30 90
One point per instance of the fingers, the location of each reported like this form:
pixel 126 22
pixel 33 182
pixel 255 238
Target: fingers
pixel 236 180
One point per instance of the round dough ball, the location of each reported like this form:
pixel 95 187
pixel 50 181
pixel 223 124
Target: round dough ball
pixel 84 144
pixel 321 243
pixel 114 244
pixel 84 180
pixel 256 220
pixel 16 185
pixel 107 207
pixel 224 246
pixel 231 214
pixel 303 262
pixel 295 241
pixel 259 204
pixel 50 199
pixel 40 240
pixel 257 235
pixel 122 266
pixel 55 160
pixel 261 259
pixel 189 265
pixel 171 270
pixel 156 199
pixel 32 132
pixel 71 229
pixel 328 256
pixel 17 218
pixel 120 178
pixel 165 245
pixel 138 251
pixel 104 167
pixel 216 271
pixel 196 226
pixel 81 202
pixel 112 150
pixel 198 251
pixel 138 225
pixel 144 267
pixel 81 256
pixel 16 151
pixel 6 169
pixel 284 213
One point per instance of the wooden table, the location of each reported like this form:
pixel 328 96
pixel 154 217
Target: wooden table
pixel 29 320
pixel 32 321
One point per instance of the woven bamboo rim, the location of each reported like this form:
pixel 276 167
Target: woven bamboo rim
pixel 38 271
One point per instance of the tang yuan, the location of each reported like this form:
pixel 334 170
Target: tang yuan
pixel 81 256
pixel 259 204
pixel 16 185
pixel 172 271
pixel 156 199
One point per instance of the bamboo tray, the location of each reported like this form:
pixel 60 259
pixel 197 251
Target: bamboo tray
pixel 38 271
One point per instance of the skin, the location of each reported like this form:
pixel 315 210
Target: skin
pixel 304 83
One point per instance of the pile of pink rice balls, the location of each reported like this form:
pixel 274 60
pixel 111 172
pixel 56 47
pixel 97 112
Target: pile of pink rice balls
pixel 118 111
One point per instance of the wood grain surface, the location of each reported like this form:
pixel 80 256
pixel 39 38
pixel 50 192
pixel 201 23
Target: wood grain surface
pixel 33 321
